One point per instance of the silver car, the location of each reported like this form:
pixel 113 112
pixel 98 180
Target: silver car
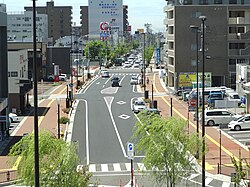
pixel 138 106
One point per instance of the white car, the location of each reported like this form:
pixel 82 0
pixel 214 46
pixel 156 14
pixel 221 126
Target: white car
pixel 218 116
pixel 13 118
pixel 134 80
pixel 138 106
pixel 240 123
pixel 62 77
pixel 104 73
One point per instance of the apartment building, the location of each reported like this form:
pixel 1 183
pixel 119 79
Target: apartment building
pixel 19 83
pixel 20 27
pixel 4 129
pixel 226 41
pixel 59 19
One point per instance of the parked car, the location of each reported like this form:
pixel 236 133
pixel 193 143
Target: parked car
pixel 62 77
pixel 233 96
pixel 134 80
pixel 218 116
pixel 138 106
pixel 240 123
pixel 115 81
pixel 13 118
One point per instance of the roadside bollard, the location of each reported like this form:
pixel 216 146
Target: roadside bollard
pixel 8 175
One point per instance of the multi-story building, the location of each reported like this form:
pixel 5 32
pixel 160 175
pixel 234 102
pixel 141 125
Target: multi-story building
pixel 109 11
pixel 84 20
pixel 20 27
pixel 4 129
pixel 226 41
pixel 59 19
pixel 19 83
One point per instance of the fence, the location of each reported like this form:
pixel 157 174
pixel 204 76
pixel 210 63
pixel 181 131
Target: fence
pixel 7 176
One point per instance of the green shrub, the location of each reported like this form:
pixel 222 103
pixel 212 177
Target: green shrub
pixel 64 120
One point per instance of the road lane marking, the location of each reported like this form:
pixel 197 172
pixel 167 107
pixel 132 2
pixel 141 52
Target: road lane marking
pixel 92 168
pixel 105 167
pixel 87 131
pixel 208 180
pixel 114 124
pixel 244 140
pixel 128 166
pixel 238 132
pixel 117 167
pixel 194 126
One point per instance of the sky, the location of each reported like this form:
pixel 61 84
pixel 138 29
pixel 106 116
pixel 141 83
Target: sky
pixel 140 12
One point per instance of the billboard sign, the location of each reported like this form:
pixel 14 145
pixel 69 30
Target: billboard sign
pixel 186 79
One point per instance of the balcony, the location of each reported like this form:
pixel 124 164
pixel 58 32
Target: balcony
pixel 238 20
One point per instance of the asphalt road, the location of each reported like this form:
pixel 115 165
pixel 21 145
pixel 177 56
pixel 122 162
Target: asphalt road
pixel 104 121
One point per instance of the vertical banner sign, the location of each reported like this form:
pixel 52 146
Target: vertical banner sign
pixel 56 73
pixel 157 56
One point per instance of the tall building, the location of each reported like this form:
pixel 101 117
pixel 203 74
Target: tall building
pixel 4 129
pixel 227 31
pixel 111 11
pixel 59 19
pixel 20 27
pixel 85 20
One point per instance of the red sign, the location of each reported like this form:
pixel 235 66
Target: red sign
pixel 104 26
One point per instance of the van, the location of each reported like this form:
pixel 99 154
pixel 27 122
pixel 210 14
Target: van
pixel 218 116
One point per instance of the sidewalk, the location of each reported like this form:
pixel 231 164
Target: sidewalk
pixel 180 109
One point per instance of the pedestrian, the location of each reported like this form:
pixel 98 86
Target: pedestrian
pixel 147 80
pixel 151 68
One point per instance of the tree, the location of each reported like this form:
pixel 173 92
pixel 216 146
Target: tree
pixel 58 161
pixel 166 147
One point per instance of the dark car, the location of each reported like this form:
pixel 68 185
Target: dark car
pixel 115 81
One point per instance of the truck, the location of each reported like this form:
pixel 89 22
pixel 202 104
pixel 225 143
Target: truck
pixel 213 96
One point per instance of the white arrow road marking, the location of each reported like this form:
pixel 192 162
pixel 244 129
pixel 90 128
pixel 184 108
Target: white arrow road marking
pixel 109 101
pixel 98 83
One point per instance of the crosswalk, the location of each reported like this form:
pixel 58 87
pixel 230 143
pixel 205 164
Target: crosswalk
pixel 140 168
pixel 123 74
pixel 116 167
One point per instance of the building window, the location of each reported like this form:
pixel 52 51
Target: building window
pixel 232 1
pixel 14 74
pixel 235 14
pixel 217 1
pixel 236 45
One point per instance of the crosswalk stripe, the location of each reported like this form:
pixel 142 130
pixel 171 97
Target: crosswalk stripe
pixel 92 168
pixel 128 166
pixel 208 180
pixel 141 167
pixel 117 167
pixel 105 167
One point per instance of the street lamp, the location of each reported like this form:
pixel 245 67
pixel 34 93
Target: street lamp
pixel 144 65
pixel 203 19
pixel 36 140
pixel 197 30
pixel 58 118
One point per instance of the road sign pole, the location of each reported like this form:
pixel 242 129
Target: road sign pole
pixel 132 173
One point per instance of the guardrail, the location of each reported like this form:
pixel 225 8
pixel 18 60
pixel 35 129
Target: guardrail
pixel 8 176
